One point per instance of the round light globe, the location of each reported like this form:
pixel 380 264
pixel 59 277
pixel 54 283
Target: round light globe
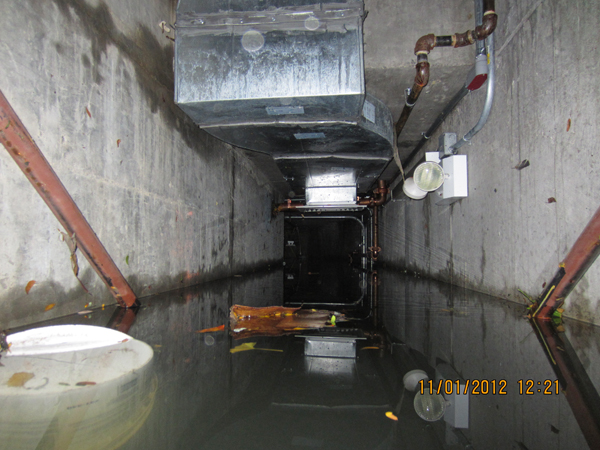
pixel 430 407
pixel 429 176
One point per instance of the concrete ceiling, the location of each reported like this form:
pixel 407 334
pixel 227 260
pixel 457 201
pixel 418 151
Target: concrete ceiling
pixel 390 32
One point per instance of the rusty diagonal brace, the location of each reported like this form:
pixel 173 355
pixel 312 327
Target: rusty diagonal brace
pixel 582 255
pixel 38 171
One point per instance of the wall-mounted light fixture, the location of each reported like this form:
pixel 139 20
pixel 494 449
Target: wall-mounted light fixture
pixel 443 172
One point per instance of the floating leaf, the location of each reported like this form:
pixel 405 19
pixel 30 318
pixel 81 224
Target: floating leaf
pixel 29 286
pixel 118 142
pixel 209 330
pixel 568 125
pixel 50 306
pixel 127 260
pixel 19 379
pixel 243 347
pixel 85 383
pixel 250 346
pixel 390 415
pixel 88 112
pixel 551 200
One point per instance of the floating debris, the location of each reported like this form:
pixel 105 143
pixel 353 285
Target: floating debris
pixel 247 321
pixel 29 286
pixel 210 330
pixel 246 346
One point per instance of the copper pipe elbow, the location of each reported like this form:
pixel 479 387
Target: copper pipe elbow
pixel 490 20
pixel 425 44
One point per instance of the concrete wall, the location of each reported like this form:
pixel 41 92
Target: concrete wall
pixel 93 83
pixel 507 234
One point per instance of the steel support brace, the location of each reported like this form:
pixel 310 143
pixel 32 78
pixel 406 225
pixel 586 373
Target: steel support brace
pixel 574 380
pixel 579 259
pixel 38 171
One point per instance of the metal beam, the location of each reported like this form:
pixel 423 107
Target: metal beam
pixel 37 169
pixel 579 259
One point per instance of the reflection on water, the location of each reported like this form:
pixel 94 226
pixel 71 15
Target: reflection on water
pixel 342 390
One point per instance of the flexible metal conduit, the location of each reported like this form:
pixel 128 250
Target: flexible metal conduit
pixel 428 42
pixel 37 169
pixel 489 98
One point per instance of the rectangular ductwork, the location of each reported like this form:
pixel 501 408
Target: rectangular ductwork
pixel 286 77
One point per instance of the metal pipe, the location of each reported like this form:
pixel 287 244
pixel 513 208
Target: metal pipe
pixel 428 42
pixel 489 98
pixel 579 259
pixel 38 171
pixel 479 45
pixel 379 197
pixel 287 206
pixel 375 249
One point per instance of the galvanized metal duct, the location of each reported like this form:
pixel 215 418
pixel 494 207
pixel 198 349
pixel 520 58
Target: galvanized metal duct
pixel 286 78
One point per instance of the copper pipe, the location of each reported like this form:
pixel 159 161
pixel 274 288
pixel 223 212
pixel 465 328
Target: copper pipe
pixel 38 171
pixel 379 196
pixel 426 43
pixel 375 303
pixel 579 259
pixel 375 249
pixel 421 80
pixel 288 206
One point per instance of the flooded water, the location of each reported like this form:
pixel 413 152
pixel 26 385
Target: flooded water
pixel 286 392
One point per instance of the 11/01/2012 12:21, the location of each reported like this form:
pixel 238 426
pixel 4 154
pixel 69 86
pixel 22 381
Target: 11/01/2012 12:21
pixel 485 387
